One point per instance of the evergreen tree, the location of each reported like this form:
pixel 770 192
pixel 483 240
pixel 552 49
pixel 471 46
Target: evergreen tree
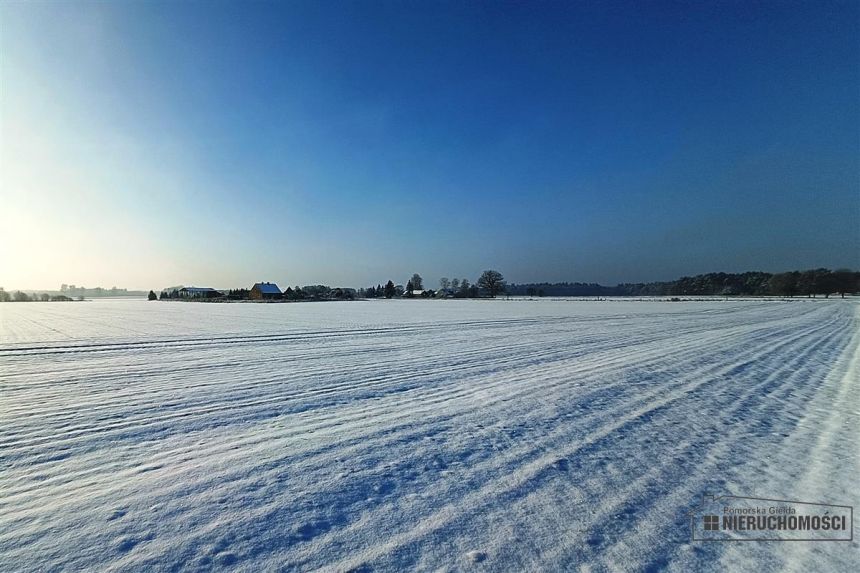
pixel 389 289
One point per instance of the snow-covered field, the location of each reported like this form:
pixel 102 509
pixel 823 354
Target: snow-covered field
pixel 419 435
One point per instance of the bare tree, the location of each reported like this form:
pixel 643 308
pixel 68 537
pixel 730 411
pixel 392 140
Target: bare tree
pixel 845 280
pixel 417 282
pixel 464 288
pixel 444 283
pixel 492 281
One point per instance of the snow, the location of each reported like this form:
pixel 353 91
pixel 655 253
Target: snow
pixel 450 435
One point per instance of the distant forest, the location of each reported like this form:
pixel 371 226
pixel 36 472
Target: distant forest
pixel 795 283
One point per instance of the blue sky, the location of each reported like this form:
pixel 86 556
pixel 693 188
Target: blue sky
pixel 147 144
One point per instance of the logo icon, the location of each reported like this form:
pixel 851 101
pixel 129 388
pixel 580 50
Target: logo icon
pixel 712 522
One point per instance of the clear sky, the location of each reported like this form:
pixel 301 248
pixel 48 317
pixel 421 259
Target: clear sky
pixel 149 144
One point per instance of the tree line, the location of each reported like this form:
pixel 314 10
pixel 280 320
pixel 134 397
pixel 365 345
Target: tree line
pixel 20 296
pixel 97 292
pixel 489 284
pixel 307 292
pixel 811 283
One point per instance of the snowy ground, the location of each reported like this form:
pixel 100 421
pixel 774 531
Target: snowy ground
pixel 419 435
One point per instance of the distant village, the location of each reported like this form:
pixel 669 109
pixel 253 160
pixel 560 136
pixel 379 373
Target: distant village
pixel 490 284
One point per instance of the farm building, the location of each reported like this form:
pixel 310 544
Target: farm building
pixel 265 291
pixel 198 292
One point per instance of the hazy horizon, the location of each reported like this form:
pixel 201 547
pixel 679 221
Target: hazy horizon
pixel 152 144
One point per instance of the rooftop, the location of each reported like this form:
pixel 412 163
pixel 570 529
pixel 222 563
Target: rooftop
pixel 267 288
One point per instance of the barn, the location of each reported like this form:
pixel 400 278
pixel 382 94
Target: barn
pixel 265 291
pixel 199 292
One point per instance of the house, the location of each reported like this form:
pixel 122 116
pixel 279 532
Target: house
pixel 265 291
pixel 199 292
